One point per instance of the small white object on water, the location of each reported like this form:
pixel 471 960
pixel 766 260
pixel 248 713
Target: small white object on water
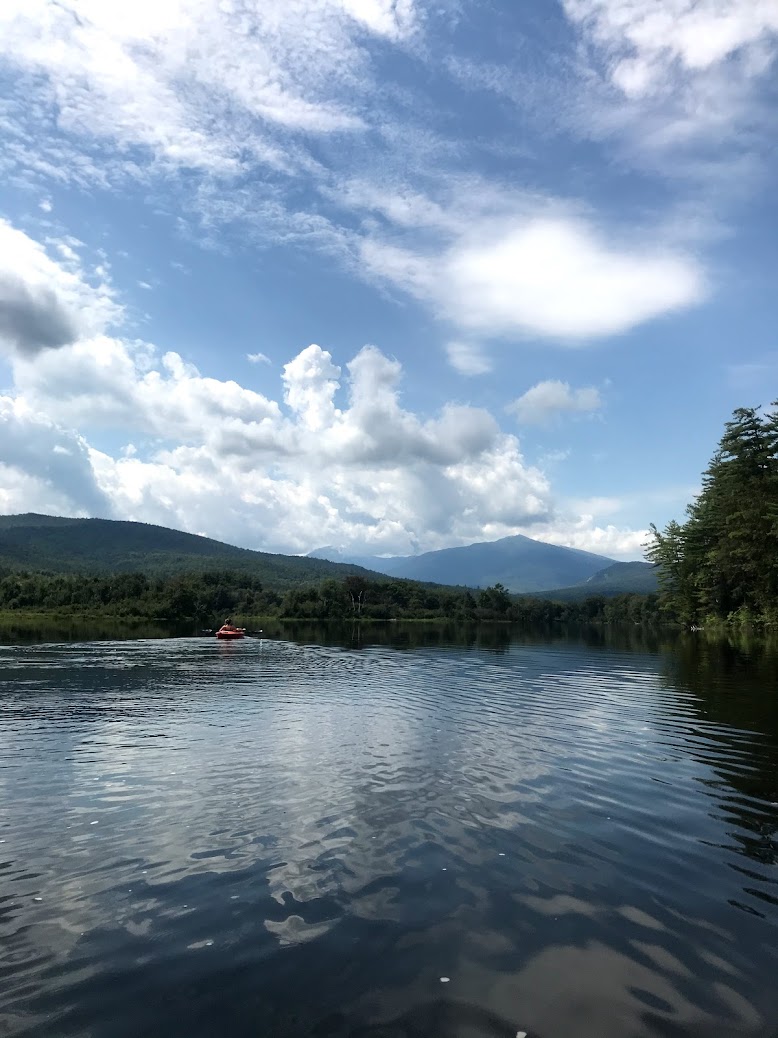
pixel 502 854
pixel 37 899
pixel 94 823
pixel 521 1034
pixel 445 980
pixel 445 870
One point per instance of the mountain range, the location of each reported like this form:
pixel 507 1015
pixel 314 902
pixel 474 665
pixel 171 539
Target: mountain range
pixel 522 565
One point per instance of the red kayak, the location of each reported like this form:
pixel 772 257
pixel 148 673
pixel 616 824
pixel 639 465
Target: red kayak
pixel 230 632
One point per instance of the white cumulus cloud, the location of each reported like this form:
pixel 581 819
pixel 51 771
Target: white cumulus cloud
pixel 337 459
pixel 548 276
pixel 46 302
pixel 45 467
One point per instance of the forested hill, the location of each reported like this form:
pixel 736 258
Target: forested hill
pixel 65 545
pixel 622 578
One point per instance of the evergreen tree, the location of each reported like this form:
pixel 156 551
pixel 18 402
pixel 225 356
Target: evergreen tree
pixel 723 562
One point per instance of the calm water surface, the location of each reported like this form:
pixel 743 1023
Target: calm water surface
pixel 273 838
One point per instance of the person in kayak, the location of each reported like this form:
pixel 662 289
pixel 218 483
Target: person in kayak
pixel 229 630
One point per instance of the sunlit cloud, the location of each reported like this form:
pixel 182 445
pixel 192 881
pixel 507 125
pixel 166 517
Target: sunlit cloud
pixel 508 282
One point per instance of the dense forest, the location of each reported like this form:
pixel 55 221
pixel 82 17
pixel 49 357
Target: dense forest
pixel 208 598
pixel 721 565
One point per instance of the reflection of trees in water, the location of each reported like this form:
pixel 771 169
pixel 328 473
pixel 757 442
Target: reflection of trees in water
pixel 33 629
pixel 398 635
pixel 735 679
pixel 494 636
pixel 735 685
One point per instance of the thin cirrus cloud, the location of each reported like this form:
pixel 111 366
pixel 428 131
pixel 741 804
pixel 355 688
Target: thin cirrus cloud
pixel 552 398
pixel 226 89
pixel 204 86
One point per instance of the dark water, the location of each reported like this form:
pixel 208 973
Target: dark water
pixel 273 838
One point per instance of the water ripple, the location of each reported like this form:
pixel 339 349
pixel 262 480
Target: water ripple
pixel 283 839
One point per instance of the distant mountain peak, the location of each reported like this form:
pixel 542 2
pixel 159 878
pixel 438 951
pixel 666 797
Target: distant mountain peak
pixel 520 563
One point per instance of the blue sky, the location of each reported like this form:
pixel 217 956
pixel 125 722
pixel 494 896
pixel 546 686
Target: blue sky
pixel 390 275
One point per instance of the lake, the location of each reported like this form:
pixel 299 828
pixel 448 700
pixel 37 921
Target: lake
pixel 457 834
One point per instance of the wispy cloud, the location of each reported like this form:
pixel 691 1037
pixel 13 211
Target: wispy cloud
pixel 650 45
pixel 674 78
pixel 753 376
pixel 548 400
pixel 468 358
pixel 204 86
pixel 257 358
pixel 222 91
pixel 660 85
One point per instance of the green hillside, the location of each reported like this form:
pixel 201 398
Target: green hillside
pixel 620 578
pixel 65 545
pixel 9 522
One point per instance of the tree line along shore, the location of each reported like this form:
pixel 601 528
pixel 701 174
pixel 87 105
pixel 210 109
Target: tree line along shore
pixel 207 598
